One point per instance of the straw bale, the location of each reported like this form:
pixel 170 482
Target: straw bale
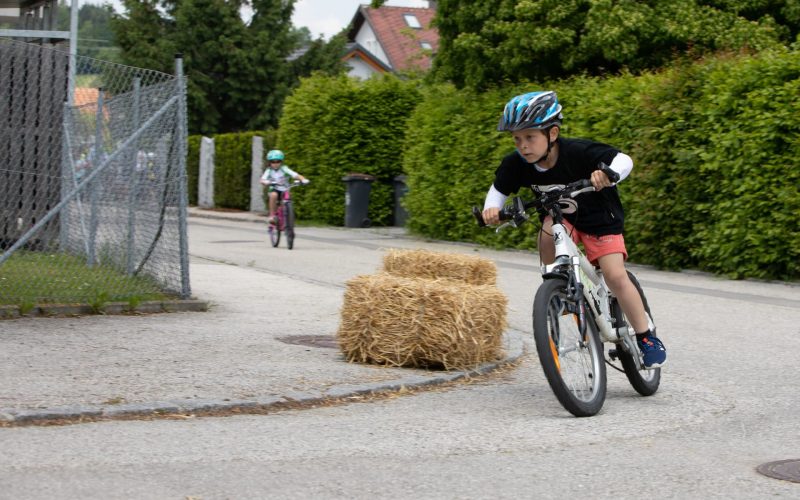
pixel 417 322
pixel 438 265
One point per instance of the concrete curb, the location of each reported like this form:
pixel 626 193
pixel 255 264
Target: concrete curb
pixel 145 307
pixel 295 400
pixel 210 213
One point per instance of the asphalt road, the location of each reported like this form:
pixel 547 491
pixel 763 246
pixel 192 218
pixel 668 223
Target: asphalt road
pixel 728 402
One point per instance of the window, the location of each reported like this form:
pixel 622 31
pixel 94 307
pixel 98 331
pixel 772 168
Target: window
pixel 426 45
pixel 412 21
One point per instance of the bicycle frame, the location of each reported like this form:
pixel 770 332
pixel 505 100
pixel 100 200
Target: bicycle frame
pixel 283 198
pixel 593 288
pixel 592 284
pixel 284 214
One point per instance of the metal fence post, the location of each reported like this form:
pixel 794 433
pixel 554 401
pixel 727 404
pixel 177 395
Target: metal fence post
pixel 183 196
pixel 67 173
pixel 95 158
pixel 134 175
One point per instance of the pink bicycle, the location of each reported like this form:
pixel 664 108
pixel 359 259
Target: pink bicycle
pixel 285 216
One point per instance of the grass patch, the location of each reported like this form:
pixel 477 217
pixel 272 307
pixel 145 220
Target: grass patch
pixel 29 278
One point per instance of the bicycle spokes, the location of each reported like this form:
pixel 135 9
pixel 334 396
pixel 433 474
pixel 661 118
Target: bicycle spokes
pixel 572 353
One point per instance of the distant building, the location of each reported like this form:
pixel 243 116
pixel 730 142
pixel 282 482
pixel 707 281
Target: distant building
pixel 29 14
pixel 9 13
pixel 390 39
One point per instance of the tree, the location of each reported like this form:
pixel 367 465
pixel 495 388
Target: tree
pixel 483 42
pixel 95 36
pixel 316 56
pixel 143 35
pixel 264 81
pixel 238 74
pixel 213 40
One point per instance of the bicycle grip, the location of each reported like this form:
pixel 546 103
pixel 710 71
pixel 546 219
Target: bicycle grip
pixel 612 175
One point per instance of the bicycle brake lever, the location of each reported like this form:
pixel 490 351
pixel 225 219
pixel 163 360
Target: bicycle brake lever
pixel 476 212
pixel 505 224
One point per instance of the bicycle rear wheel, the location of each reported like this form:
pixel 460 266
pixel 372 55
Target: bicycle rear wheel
pixel 645 382
pixel 573 364
pixel 289 212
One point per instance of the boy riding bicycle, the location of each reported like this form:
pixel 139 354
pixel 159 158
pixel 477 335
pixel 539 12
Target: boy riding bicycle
pixel 544 158
pixel 276 178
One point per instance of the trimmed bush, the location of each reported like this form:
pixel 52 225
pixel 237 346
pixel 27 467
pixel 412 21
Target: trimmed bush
pixel 193 166
pixel 452 151
pixel 332 126
pixel 232 164
pixel 714 142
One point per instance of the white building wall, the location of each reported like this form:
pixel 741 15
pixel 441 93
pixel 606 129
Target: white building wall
pixel 367 39
pixel 360 69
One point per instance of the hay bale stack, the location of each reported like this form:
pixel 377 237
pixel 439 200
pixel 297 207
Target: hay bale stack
pixel 437 265
pixel 418 322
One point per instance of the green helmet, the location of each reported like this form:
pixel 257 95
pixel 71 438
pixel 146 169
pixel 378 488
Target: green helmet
pixel 275 154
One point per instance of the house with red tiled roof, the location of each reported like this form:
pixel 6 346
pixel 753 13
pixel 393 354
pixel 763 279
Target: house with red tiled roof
pixel 391 39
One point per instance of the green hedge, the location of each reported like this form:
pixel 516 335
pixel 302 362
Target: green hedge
pixel 715 145
pixel 193 166
pixel 232 164
pixel 452 151
pixel 332 126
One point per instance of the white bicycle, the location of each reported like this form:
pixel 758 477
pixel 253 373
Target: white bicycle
pixel 568 340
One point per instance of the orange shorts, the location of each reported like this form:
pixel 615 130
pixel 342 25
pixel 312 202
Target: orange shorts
pixel 597 246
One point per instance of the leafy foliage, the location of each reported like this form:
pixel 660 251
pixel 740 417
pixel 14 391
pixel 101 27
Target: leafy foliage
pixel 193 166
pixel 232 167
pixel 144 35
pixel 714 144
pixel 452 150
pixel 316 56
pixel 95 36
pixel 485 42
pixel 332 126
pixel 238 74
pixel 750 170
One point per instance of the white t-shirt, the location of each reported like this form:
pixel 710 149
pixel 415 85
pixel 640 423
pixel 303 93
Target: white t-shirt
pixel 281 176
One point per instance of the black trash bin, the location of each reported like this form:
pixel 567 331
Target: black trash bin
pixel 400 190
pixel 356 199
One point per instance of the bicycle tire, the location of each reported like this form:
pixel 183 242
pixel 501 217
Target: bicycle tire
pixel 645 382
pixel 275 231
pixel 289 213
pixel 574 368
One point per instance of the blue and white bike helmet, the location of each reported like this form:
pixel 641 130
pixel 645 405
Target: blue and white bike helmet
pixel 275 154
pixel 532 110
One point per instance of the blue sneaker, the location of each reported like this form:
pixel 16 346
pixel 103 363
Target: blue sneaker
pixel 654 352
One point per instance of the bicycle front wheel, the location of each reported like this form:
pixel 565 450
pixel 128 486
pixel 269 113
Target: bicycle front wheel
pixel 573 363
pixel 289 211
pixel 275 233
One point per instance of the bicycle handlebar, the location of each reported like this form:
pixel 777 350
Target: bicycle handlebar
pixel 549 200
pixel 291 184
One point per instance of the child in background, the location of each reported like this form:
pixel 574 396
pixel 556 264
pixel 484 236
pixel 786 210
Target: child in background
pixel 277 177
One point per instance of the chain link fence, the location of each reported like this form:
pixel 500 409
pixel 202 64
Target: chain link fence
pixel 93 195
